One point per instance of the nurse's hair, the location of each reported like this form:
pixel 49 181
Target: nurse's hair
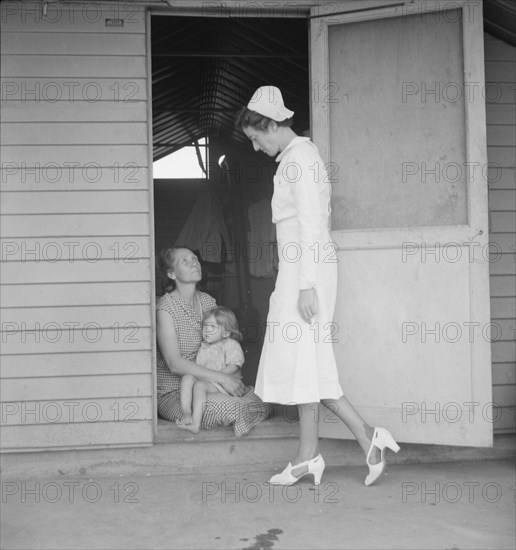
pixel 225 318
pixel 247 118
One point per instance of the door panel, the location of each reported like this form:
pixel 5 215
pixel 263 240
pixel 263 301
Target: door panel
pixel 404 137
pixel 387 182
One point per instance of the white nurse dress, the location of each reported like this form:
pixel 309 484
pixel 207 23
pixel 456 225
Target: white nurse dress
pixel 297 363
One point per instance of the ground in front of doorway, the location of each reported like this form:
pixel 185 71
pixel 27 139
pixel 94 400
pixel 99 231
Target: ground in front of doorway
pixel 451 506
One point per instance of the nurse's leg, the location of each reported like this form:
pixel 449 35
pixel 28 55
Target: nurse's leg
pixel 308 446
pixel 362 431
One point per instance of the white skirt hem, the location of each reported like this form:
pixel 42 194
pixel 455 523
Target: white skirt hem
pixel 278 395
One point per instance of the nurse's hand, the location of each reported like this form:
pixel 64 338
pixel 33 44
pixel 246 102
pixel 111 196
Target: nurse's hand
pixel 307 304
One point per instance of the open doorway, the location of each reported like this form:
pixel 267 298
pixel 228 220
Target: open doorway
pixel 203 71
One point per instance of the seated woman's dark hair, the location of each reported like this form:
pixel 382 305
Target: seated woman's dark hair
pixel 248 118
pixel 165 262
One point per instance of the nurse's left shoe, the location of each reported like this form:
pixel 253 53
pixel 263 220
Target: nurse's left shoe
pixel 382 439
pixel 315 467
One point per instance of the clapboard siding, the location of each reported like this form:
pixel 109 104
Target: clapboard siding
pixel 41 202
pixel 82 364
pixel 85 387
pixel 502 242
pixel 501 285
pixel 74 294
pixel 496 50
pixel 73 133
pixel 503 307
pixel 83 44
pixel 501 178
pixel 90 90
pixel 128 112
pixel 86 338
pixel 498 93
pixel 104 155
pixel 501 114
pixel 501 134
pixel 502 156
pixel 503 199
pixel 77 293
pixel 503 265
pixel 74 225
pixel 503 351
pixel 504 373
pixel 27 17
pixel 79 271
pixel 118 409
pixel 502 330
pixel 73 66
pixel 500 63
pixel 502 222
pixel 103 316
pixel 53 249
pixel 500 71
pixel 56 177
pixel 76 435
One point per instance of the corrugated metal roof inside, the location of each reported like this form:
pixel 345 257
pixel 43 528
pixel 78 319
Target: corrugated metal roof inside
pixel 204 69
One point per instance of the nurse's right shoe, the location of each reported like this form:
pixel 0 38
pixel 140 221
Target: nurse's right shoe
pixel 315 467
pixel 382 438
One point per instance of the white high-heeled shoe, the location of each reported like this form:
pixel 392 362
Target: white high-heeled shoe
pixel 315 467
pixel 381 439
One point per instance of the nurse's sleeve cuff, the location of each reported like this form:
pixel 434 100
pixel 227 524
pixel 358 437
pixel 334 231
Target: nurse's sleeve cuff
pixel 306 284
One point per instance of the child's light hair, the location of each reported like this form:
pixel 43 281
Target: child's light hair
pixel 226 319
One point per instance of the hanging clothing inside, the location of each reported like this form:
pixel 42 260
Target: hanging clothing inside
pixel 205 229
pixel 261 240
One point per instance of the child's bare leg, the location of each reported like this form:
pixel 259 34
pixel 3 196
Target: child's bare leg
pixel 187 384
pixel 200 390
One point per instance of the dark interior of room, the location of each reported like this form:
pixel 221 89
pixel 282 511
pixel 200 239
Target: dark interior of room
pixel 204 70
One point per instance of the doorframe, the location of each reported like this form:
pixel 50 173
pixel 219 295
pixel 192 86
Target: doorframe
pixel 196 8
pixel 152 238
pixel 324 9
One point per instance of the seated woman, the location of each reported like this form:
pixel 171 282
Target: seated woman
pixel 179 334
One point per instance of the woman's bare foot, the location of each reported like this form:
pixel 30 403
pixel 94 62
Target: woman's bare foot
pixel 194 428
pixel 185 420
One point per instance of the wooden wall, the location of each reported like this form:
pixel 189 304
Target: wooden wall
pixel 77 231
pixel 500 65
pixel 77 271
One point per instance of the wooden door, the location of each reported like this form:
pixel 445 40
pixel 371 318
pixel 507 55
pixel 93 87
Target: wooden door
pixel 398 113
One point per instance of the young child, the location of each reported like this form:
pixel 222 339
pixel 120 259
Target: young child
pixel 219 351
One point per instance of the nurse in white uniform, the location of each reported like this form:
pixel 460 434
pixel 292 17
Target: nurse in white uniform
pixel 297 364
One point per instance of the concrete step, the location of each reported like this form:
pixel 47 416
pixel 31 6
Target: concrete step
pixel 267 448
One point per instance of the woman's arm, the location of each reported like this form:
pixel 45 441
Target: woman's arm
pixel 231 369
pixel 169 347
pixel 309 172
pixel 233 357
pixel 306 171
